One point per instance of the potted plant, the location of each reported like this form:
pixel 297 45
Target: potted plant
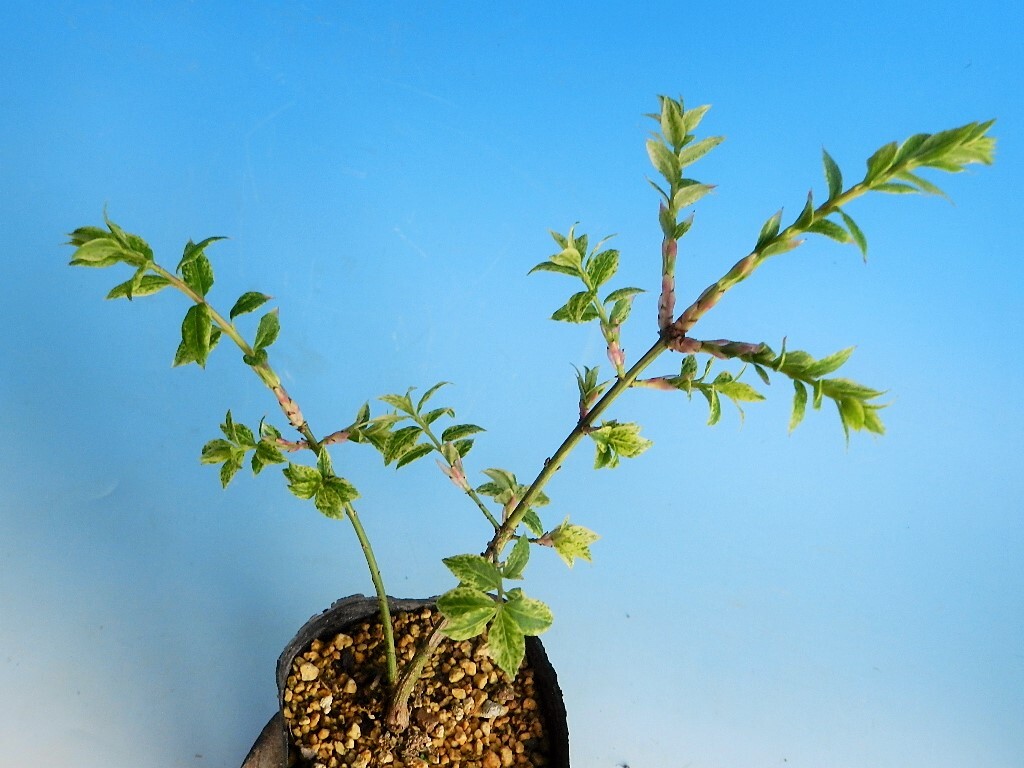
pixel 460 679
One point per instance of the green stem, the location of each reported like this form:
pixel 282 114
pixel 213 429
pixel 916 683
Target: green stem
pixel 291 410
pixel 382 595
pixel 552 465
pixel 467 489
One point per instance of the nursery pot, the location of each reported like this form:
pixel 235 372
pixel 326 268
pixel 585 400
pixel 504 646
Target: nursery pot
pixel 472 707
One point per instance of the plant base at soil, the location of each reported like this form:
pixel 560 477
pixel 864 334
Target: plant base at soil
pixel 464 710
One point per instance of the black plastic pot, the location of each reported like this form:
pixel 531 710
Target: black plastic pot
pixel 271 748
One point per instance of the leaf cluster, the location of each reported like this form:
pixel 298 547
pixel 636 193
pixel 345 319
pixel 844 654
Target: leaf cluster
pixel 230 451
pixel 593 269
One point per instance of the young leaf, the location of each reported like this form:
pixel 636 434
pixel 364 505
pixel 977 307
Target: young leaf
pixel 856 234
pixel 769 230
pixel 467 610
pixel 690 194
pixel 613 441
pixel 571 541
pixel 198 274
pixel 828 364
pixel 673 128
pixel 664 160
pixel 830 229
pixel 880 162
pixel 459 431
pixel 430 393
pixel 799 404
pixel 216 451
pixel 194 251
pixel 697 150
pixel 229 469
pixel 303 481
pixel 268 330
pixel 139 285
pixel 474 571
pixel 98 252
pixel 506 643
pixel 416 452
pixel 248 302
pixel 833 176
pixel 531 616
pixel 602 267
pixel 196 330
pixel 399 402
pixel 517 559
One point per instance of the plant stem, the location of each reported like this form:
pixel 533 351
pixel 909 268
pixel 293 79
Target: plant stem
pixel 382 595
pixel 552 465
pixel 397 717
pixel 291 410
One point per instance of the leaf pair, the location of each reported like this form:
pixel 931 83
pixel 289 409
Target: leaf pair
pixel 404 446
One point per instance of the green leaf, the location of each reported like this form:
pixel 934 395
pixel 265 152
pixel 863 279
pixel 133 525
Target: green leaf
pixel 269 453
pixel 474 571
pixel 570 258
pixel 830 229
pixel 740 392
pixel 856 234
pixel 571 542
pixel 622 293
pixel 248 302
pixel 194 251
pixel 517 559
pixel 828 364
pixel 781 246
pixel 216 451
pixel 505 642
pixel 673 127
pixel 531 616
pixel 690 194
pixel 696 151
pixel 550 266
pixel 196 330
pixel 880 162
pixel 807 214
pixel 430 393
pixel 198 274
pixel 139 285
pixel 83 235
pixel 463 447
pixel 799 405
pixel 664 160
pixel 613 441
pixel 399 402
pixel 98 252
pixel 431 416
pixel 229 469
pixel 579 308
pixel 329 502
pixel 769 230
pixel 923 185
pixel 303 481
pixel 896 188
pixel 459 431
pixel 714 405
pixel 342 487
pixel 532 522
pixel 323 462
pixel 692 117
pixel 467 610
pixel 833 176
pixel 620 311
pixel 401 441
pixel 268 330
pixel 416 452
pixel 602 267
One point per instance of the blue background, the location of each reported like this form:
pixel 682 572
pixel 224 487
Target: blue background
pixel 388 172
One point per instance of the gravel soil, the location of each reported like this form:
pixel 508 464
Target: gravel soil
pixel 466 713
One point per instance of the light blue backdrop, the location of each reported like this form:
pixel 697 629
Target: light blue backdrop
pixel 388 172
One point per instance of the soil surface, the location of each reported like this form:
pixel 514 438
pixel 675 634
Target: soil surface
pixel 466 712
